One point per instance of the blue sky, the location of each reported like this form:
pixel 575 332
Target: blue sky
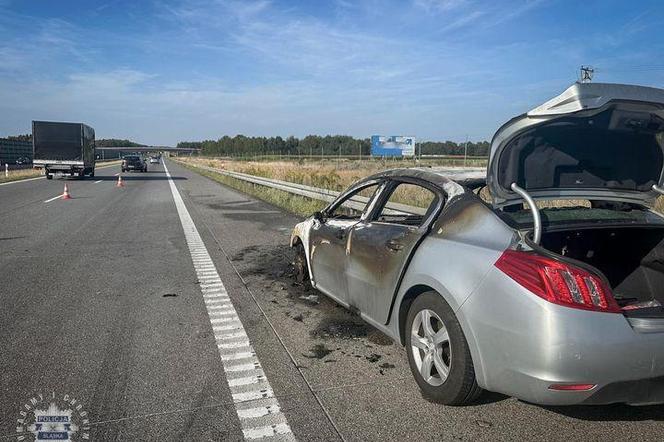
pixel 162 72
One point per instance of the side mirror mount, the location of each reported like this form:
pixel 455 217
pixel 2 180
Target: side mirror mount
pixel 318 216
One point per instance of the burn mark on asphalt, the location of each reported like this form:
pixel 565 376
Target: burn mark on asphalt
pixel 271 269
pixel 351 328
pixel 373 357
pixel 318 351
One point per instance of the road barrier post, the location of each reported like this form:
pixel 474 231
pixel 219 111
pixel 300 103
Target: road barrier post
pixel 6 170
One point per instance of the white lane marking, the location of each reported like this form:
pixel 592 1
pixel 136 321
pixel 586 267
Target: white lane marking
pixel 267 431
pixel 253 395
pixel 226 324
pixel 232 335
pixel 249 413
pixel 99 181
pixel 236 356
pixel 248 380
pixel 21 181
pixel 53 199
pixel 230 368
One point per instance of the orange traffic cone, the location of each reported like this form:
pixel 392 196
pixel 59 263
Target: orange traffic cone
pixel 120 183
pixel 65 193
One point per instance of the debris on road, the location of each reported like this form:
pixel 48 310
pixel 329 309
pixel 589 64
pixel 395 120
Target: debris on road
pixel 311 298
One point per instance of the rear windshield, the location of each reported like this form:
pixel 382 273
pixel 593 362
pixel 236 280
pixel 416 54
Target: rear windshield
pixel 618 148
pixel 580 216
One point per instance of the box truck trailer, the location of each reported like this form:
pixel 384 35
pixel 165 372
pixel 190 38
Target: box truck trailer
pixel 66 148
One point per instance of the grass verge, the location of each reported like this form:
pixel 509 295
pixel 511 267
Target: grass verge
pixel 299 205
pixel 23 174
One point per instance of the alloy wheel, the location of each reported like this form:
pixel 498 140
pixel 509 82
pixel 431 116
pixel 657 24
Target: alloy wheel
pixel 430 347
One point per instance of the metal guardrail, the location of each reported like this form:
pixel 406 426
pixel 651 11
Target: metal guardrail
pixel 357 202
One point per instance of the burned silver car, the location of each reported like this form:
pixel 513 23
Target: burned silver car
pixel 551 290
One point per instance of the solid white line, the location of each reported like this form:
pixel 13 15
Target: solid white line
pixel 240 344
pixel 54 198
pixel 245 396
pixel 21 181
pixel 223 308
pixel 234 335
pixel 270 430
pixel 97 182
pixel 246 380
pixel 212 287
pixel 242 367
pixel 249 413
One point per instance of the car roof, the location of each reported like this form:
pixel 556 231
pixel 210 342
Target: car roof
pixel 451 180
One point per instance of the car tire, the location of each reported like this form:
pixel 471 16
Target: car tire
pixel 458 386
pixel 49 176
pixel 300 264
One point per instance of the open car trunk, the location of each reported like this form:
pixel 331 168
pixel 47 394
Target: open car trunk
pixel 630 257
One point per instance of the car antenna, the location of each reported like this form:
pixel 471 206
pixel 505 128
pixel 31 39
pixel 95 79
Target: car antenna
pixel 586 74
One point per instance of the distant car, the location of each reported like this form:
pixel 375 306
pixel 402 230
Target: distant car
pixel 154 160
pixel 134 162
pixel 557 305
pixel 23 160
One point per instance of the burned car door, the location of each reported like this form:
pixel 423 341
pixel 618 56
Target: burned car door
pixel 379 247
pixel 328 239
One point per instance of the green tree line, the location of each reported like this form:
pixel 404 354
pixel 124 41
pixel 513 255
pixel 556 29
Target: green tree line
pixel 114 142
pixel 241 145
pixel 107 142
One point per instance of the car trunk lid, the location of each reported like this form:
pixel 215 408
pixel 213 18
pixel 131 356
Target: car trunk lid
pixel 595 141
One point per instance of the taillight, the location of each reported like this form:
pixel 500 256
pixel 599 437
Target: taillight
pixel 558 282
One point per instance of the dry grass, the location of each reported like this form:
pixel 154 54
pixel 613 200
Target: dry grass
pixel 296 204
pixel 338 175
pixel 326 174
pixel 21 174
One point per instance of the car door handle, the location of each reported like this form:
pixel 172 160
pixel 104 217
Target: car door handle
pixel 394 245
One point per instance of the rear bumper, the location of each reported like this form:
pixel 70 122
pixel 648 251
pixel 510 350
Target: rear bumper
pixel 521 345
pixel 56 165
pixel 642 392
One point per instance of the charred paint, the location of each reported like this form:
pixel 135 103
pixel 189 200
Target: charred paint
pixel 468 219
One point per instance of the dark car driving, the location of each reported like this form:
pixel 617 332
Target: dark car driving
pixel 134 162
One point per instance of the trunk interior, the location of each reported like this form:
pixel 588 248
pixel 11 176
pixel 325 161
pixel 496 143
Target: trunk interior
pixel 631 258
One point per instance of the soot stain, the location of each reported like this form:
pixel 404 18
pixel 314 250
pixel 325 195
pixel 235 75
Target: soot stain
pixel 318 351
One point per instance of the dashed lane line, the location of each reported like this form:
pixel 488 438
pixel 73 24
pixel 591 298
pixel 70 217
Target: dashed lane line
pixel 255 403
pixel 53 199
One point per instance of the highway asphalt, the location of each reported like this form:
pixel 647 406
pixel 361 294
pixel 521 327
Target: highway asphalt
pixel 99 300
